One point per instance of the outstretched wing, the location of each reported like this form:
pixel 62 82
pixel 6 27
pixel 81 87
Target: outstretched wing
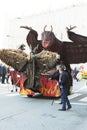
pixel 76 37
pixel 31 37
pixel 75 53
pixel 32 40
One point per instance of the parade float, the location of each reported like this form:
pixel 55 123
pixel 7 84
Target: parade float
pixel 40 63
pixel 34 71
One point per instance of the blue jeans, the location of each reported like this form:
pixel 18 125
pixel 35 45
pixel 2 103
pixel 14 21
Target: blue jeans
pixel 64 98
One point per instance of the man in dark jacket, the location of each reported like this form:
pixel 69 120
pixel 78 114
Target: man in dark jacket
pixel 64 82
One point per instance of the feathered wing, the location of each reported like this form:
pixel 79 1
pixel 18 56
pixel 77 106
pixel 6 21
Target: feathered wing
pixel 76 37
pixel 14 58
pixel 31 37
pixel 75 53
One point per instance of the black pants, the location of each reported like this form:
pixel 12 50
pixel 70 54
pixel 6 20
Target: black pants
pixel 3 78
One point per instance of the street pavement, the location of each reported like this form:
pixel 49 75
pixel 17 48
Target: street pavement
pixel 77 87
pixel 22 113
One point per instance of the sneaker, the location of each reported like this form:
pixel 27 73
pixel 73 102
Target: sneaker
pixel 69 107
pixel 60 102
pixel 16 90
pixel 11 90
pixel 62 109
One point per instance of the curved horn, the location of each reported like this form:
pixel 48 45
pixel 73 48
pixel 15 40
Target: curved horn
pixel 26 27
pixel 51 28
pixel 45 27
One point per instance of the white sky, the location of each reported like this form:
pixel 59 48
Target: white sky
pixel 17 8
pixel 11 8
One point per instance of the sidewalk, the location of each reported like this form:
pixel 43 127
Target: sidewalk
pixel 6 88
pixel 79 85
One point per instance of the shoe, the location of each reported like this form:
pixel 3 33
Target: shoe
pixel 60 103
pixel 69 108
pixel 16 90
pixel 62 109
pixel 11 90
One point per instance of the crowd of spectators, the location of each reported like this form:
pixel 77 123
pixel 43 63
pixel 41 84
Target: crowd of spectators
pixel 9 76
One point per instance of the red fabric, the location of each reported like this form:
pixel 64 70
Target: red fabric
pixel 49 87
pixel 13 76
pixel 22 80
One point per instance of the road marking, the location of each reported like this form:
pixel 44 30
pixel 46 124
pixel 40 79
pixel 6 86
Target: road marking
pixel 71 96
pixel 74 95
pixel 82 88
pixel 83 99
pixel 73 103
pixel 85 104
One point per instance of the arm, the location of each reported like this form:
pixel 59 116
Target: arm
pixel 55 76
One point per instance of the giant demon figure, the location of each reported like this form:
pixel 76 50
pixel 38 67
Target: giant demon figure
pixel 46 53
pixel 70 52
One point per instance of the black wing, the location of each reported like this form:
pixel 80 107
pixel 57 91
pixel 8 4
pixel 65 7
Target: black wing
pixel 75 53
pixel 76 37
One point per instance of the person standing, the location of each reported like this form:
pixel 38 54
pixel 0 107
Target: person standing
pixel 64 83
pixel 15 79
pixel 3 72
pixel 64 80
pixel 0 72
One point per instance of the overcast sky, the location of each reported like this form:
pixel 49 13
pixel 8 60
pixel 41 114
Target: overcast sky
pixel 17 8
pixel 12 8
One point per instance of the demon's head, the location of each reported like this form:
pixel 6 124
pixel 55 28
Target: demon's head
pixel 47 38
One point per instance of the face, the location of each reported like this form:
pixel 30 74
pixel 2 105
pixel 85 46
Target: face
pixel 47 39
pixel 60 70
pixel 57 67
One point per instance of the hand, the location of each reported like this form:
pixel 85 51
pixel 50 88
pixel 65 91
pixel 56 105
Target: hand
pixel 49 79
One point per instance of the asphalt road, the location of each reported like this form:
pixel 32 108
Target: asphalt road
pixel 19 112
